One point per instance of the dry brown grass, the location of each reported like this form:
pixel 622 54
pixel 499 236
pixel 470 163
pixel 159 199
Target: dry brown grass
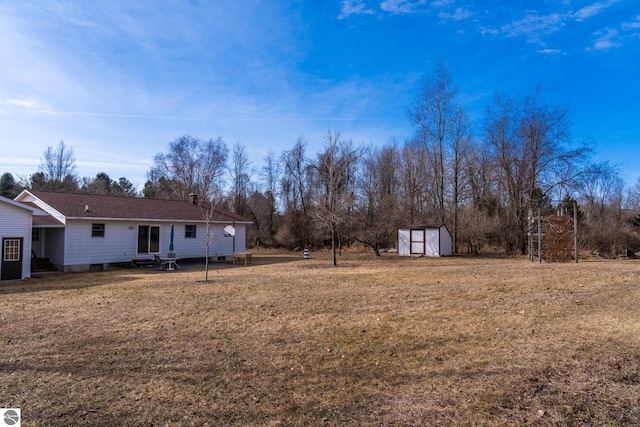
pixel 375 341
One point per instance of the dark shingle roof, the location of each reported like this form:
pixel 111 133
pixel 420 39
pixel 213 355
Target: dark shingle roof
pixel 46 221
pixel 43 220
pixel 79 205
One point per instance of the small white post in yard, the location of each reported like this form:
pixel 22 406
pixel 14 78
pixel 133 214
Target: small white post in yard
pixel 306 253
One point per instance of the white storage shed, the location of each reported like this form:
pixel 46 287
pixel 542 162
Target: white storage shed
pixel 424 240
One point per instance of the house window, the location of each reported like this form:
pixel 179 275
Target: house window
pixel 35 234
pixel 97 230
pixel 12 250
pixel 189 231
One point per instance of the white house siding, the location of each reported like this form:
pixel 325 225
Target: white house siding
pixel 16 222
pixel 184 247
pixel 120 242
pixel 222 244
pixel 81 250
pixel 241 238
pixel 54 245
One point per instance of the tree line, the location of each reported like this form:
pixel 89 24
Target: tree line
pixel 480 178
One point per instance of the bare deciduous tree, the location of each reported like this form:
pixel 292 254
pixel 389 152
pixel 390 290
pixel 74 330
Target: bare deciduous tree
pixel 240 177
pixel 271 178
pixel 461 144
pixel 56 170
pixel 415 183
pixel 435 112
pixel 336 172
pixel 633 198
pixel 479 219
pixel 191 166
pixel 208 212
pixel 530 142
pixel 379 215
pixel 295 190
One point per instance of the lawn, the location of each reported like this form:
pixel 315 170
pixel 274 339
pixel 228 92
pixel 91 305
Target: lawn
pixel 382 341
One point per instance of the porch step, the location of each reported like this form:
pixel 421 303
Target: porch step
pixel 42 264
pixel 143 262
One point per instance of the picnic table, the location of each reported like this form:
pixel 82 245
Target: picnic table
pixel 169 262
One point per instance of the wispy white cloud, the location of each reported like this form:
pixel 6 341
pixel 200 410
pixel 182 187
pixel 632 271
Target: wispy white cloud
pixel 487 31
pixel 24 103
pixel 354 7
pixel 605 40
pixel 36 69
pixel 552 52
pixel 442 3
pixel 460 14
pixel 538 27
pixel 402 6
pixel 534 25
pixel 631 25
pixel 112 58
pixel 591 10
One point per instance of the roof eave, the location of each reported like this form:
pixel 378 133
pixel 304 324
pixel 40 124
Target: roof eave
pixel 226 221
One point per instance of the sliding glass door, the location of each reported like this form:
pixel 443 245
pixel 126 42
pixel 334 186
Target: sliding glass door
pixel 148 239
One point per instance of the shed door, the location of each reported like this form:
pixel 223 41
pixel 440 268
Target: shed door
pixel 11 258
pixel 417 242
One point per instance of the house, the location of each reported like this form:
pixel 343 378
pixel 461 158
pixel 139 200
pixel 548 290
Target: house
pixel 88 231
pixel 15 234
pixel 424 240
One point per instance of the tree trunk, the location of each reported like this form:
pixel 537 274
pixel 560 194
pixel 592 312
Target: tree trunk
pixel 333 246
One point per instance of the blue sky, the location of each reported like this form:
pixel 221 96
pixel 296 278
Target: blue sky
pixel 119 80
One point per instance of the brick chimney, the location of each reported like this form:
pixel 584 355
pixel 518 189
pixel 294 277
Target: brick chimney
pixel 193 198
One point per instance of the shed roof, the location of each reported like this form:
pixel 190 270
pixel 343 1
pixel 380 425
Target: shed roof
pixel 422 226
pixel 96 206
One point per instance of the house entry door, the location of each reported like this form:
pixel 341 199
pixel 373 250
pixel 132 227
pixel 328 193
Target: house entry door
pixel 148 239
pixel 11 258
